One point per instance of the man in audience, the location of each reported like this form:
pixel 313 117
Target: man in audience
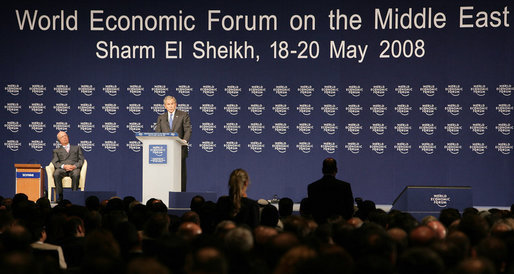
pixel 329 196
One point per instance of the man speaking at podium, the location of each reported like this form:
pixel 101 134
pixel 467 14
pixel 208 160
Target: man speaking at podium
pixel 176 121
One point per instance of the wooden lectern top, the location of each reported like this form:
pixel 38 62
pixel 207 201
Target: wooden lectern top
pixel 35 166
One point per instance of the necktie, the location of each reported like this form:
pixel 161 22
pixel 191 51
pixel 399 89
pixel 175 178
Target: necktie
pixel 171 120
pixel 67 148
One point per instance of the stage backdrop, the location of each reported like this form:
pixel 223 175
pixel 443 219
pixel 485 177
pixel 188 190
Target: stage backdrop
pixel 399 92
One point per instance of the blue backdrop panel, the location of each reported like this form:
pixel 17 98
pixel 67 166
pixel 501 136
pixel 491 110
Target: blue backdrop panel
pixel 399 93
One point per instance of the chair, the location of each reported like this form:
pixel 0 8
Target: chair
pixel 66 181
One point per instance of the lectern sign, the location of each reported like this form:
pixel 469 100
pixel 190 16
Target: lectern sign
pixel 158 154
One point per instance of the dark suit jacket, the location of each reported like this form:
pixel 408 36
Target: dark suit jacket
pixel 330 196
pixel 181 126
pixel 75 157
pixel 248 214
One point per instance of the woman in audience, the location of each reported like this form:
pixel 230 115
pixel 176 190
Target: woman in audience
pixel 237 206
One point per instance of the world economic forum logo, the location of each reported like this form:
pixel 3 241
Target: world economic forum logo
pixel 37 108
pixel 453 148
pixel 37 145
pixel 454 90
pixel 208 108
pixel 305 128
pixel 86 108
pixel 256 128
pixel 354 109
pixel 353 147
pixel 403 128
pixel 62 126
pixel 232 109
pixel 329 128
pixel 428 109
pixel 62 90
pixel 160 90
pixel 282 91
pixel 281 147
pixel 208 127
pixel 110 127
pixel 378 109
pixel 453 109
pixel 13 108
pixel 86 127
pixel 330 90
pixel 353 128
pixel 354 90
pixel 504 128
pixel 256 146
pixel 379 90
pixel 329 147
pixel 378 147
pixel 378 128
pixel 135 90
pixel 403 90
pixel 330 109
pixel 134 146
pixel 479 90
pixel 110 108
pixel 135 127
pixel 441 200
pixel 135 108
pixel 305 109
pixel 403 109
pixel 62 108
pixel 38 90
pixel 428 148
pixel 207 146
pixel 504 109
pixel 232 146
pixel 12 126
pixel 209 90
pixel 185 90
pixel 505 89
pixel 428 128
pixel 111 90
pixel 304 147
pixel 87 146
pixel 13 145
pixel 281 128
pixel 232 127
pixel 453 128
pixel 478 128
pixel 257 90
pixel 306 90
pixel 504 148
pixel 37 126
pixel 256 109
pixel 233 90
pixel 13 89
pixel 86 89
pixel 478 109
pixel 478 148
pixel 428 90
pixel 403 148
pixel 110 146
pixel 281 109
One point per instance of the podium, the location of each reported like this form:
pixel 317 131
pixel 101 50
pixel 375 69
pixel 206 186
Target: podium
pixel 162 162
pixel 29 180
pixel 421 201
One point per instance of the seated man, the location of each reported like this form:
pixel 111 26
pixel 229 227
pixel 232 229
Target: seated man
pixel 67 160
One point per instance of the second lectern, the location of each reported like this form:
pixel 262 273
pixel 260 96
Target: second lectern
pixel 161 165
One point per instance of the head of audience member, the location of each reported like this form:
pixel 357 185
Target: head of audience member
pixel 43 203
pixel 127 200
pixel 93 203
pixel 329 167
pixel 157 226
pixel 15 238
pixel 269 215
pixel 285 207
pixel 146 265
pixel 189 231
pixel 74 227
pixel 420 260
pixel 475 265
pixel 223 227
pixel 400 238
pixel 190 216
pixel 379 216
pixel 439 229
pixel 297 225
pixel 364 209
pixel 422 236
pixel 239 240
pixel 448 215
pixel 157 206
pixel 208 260
pixel 502 226
pixel 356 222
pixel 449 252
pixel 263 234
pixel 461 241
pixel 475 227
pixel 402 220
pixel 128 238
pixel 238 183
pixel 295 259
pixel 196 203
pixel 495 250
pixel 305 208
